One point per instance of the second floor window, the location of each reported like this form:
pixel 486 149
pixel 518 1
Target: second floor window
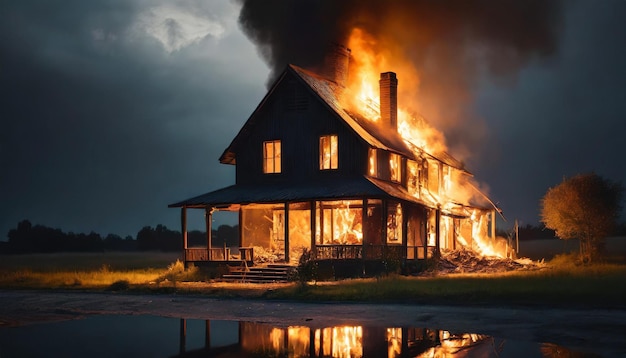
pixel 328 152
pixel 271 156
pixel 372 163
pixel 413 178
pixel 395 167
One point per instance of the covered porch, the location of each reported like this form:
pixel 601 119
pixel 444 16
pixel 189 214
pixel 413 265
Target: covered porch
pixel 358 219
pixel 347 220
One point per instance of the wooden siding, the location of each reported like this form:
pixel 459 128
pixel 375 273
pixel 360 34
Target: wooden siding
pixel 298 123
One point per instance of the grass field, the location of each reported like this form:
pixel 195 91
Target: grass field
pixel 561 283
pixel 89 261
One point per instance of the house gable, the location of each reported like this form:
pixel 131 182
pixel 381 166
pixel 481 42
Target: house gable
pixel 296 116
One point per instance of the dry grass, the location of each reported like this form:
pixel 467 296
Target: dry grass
pixel 75 279
pixel 83 270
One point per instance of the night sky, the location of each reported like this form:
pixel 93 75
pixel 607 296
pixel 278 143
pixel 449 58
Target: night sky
pixel 111 110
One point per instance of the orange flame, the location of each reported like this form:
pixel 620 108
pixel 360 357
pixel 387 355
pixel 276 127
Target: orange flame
pixel 453 186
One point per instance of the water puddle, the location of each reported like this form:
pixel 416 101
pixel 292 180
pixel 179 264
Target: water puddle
pixel 154 336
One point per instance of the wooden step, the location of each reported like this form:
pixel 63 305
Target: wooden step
pixel 269 274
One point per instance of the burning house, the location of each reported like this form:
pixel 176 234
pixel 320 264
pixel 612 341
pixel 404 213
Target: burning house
pixel 344 176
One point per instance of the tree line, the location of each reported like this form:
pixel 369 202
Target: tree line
pixel 29 238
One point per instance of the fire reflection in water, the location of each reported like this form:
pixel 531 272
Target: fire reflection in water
pixel 358 341
pixel 253 339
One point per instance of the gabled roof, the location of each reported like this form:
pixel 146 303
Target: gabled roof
pixel 328 92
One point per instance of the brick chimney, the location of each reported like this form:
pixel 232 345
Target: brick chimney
pixel 389 100
pixel 336 64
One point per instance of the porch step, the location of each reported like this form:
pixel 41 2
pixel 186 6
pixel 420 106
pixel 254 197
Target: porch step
pixel 269 274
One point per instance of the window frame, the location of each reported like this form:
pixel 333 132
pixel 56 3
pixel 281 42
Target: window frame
pixel 272 163
pixel 330 150
pixel 395 175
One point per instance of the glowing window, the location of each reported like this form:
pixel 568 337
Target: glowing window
pixel 271 156
pixel 328 152
pixel 395 168
pixel 339 222
pixel 413 178
pixel 372 162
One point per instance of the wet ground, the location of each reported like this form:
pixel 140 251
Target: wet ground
pixel 597 330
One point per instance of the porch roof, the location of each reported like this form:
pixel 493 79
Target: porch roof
pixel 352 188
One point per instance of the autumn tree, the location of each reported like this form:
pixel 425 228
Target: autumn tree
pixel 584 207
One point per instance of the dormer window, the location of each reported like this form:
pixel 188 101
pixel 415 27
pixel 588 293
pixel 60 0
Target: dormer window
pixel 395 167
pixel 271 156
pixel 329 156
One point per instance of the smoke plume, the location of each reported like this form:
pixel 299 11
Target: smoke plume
pixel 449 44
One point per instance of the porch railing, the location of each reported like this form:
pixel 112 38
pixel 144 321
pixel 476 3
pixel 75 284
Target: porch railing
pixel 359 251
pixel 217 254
pixel 372 252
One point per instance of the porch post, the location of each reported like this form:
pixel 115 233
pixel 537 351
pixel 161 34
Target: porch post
pixel 240 221
pixel 437 230
pixel 363 229
pixel 208 218
pixel 313 213
pixel 286 232
pixel 383 230
pixel 183 229
pixel 405 228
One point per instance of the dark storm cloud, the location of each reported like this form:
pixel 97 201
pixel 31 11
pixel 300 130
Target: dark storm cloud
pixel 507 32
pixel 102 128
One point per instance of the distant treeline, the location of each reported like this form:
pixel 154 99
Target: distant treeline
pixel 28 238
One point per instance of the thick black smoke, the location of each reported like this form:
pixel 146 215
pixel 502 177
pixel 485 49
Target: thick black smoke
pixel 504 34
pixel 450 43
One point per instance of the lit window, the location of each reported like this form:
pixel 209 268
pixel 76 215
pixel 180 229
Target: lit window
pixel 372 162
pixel 271 156
pixel 328 152
pixel 413 178
pixel 395 167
